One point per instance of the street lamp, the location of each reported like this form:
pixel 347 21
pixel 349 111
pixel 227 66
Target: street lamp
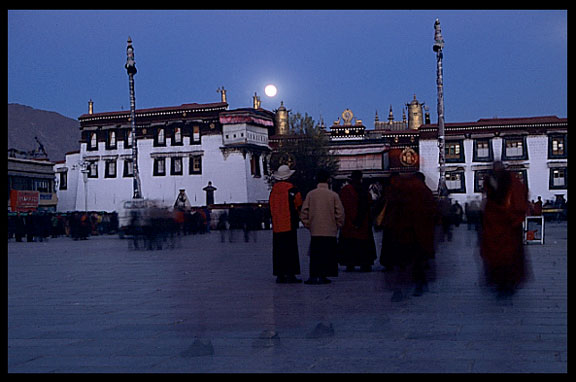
pixel 437 47
pixel 131 69
pixel 85 169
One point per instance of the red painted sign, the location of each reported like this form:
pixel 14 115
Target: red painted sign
pixel 24 201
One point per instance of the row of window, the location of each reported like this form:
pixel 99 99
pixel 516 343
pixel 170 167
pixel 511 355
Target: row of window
pixel 160 138
pixel 456 182
pixel 513 148
pixel 28 183
pixel 159 167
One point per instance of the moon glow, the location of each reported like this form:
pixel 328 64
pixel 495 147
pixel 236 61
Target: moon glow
pixel 270 90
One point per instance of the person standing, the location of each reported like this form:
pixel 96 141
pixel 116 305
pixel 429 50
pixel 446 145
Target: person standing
pixel 538 207
pixel 502 247
pixel 222 224
pixel 456 212
pixel 285 203
pixel 323 214
pixel 20 230
pixel 356 242
pixel 409 223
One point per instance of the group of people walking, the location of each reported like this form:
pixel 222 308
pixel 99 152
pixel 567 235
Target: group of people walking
pixel 408 214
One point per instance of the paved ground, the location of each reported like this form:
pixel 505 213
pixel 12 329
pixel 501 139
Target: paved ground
pixel 206 306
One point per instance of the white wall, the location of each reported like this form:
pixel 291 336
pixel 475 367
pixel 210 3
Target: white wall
pixel 537 165
pixel 429 162
pixel 67 198
pixel 228 170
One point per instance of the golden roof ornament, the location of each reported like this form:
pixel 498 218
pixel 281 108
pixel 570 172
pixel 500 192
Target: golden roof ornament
pixel 347 116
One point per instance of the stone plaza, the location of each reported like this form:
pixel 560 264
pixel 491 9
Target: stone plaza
pixel 206 306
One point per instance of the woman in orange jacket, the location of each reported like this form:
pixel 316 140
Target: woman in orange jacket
pixel 285 203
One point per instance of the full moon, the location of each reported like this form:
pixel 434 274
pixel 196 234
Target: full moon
pixel 270 90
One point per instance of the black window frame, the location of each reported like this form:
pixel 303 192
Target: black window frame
pixel 126 173
pixel 521 138
pixel 551 184
pixel 156 171
pixel 92 165
pixel 89 146
pixel 194 141
pixel 191 170
pixel 460 158
pixel 107 173
pixel 476 157
pixel 173 162
pixel 551 139
pixel 255 169
pixel 157 142
pixel 111 145
pixel 480 175
pixel 63 180
pixel 127 143
pixel 173 140
pixel 462 188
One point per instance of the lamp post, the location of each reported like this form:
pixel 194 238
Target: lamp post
pixel 131 69
pixel 84 169
pixel 437 47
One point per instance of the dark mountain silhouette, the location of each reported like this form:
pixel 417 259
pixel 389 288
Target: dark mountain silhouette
pixel 57 134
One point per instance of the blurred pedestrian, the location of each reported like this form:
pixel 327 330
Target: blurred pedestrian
pixel 538 207
pixel 30 224
pixel 473 214
pixel 502 248
pixel 235 222
pixel 85 226
pixel 54 223
pixel 446 218
pixel 252 223
pixel 285 202
pixel 20 229
pixel 323 214
pixel 222 225
pixel 410 221
pixel 356 242
pixel 387 190
pixel 456 213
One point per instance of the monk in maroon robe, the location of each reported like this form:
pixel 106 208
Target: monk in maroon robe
pixel 502 248
pixel 409 225
pixel 356 242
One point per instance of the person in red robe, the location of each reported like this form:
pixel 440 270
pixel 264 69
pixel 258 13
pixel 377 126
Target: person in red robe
pixel 409 224
pixel 356 242
pixel 501 244
pixel 285 203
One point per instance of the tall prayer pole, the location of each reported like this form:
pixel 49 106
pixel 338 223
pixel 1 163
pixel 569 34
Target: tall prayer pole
pixel 131 69
pixel 437 47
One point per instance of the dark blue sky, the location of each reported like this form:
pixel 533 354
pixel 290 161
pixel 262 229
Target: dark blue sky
pixel 496 63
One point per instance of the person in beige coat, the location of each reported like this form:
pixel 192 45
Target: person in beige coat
pixel 323 214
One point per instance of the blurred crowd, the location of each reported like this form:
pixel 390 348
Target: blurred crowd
pixel 40 225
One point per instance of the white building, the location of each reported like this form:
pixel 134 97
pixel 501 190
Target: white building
pixel 536 148
pixel 181 147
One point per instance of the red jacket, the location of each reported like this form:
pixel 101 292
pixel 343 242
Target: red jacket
pixel 285 203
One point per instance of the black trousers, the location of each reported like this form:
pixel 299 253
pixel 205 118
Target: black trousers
pixel 285 257
pixel 323 256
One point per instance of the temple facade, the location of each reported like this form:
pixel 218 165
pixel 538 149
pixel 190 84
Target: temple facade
pixel 187 147
pixel 534 148
pixel 221 157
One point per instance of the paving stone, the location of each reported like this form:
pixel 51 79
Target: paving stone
pixel 98 306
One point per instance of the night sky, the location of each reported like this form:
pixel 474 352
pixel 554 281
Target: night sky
pixel 496 63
